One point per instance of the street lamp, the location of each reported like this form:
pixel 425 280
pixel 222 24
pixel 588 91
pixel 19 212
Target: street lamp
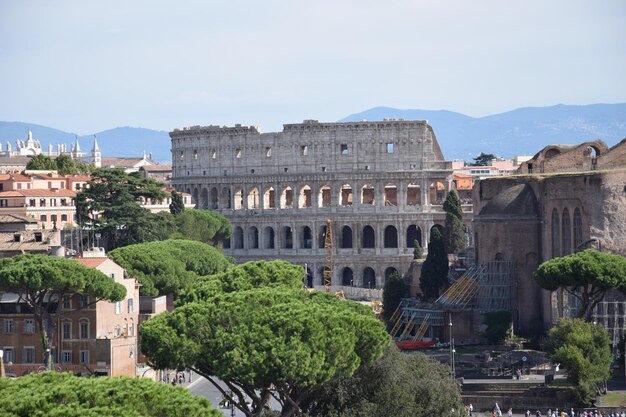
pixel 452 348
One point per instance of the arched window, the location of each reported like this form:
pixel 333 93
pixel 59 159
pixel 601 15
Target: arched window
pixel 286 198
pixel 309 278
pixel 238 199
pixel 413 233
pixel 578 228
pixel 195 197
pixel 369 237
pixel 253 238
pixel 268 238
pixel 304 199
pixel 253 198
pixel 391 195
pixel 225 198
pixel 322 237
pixel 438 227
pixel 367 194
pixel 307 238
pixel 391 237
pixel 346 195
pixel 213 199
pixel 391 271
pixel 238 238
pixel 346 237
pixel 413 195
pixel 269 198
pixel 499 256
pixel 566 233
pixel 347 277
pixel 324 198
pixel 556 236
pixel 204 199
pixel 83 328
pixel 369 278
pixel 287 237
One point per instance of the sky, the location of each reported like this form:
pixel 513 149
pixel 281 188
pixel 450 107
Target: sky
pixel 87 66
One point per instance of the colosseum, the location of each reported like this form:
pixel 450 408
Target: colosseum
pixel 382 184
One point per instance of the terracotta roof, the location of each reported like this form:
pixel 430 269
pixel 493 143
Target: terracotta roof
pixel 14 177
pixel 156 168
pixel 14 160
pixel 123 162
pixel 39 193
pixel 27 242
pixel 14 218
pixel 91 262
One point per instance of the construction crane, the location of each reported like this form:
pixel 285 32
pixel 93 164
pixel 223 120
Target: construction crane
pixel 328 256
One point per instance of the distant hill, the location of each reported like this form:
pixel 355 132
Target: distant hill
pixel 518 132
pixel 120 141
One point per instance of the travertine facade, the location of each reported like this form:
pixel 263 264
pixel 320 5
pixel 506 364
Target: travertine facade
pixel 381 183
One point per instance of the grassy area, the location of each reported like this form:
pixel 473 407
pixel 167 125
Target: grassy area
pixel 613 399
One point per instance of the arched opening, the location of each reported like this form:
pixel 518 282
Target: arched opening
pixel 367 194
pixel 346 237
pixel 238 238
pixel 578 229
pixel 322 237
pixel 286 198
pixel 566 233
pixel 269 198
pixel 413 195
pixel 287 237
pixel 438 227
pixel 369 237
pixel 268 237
pixel 226 243
pixel 413 233
pixel 225 198
pixel 204 199
pixel 238 199
pixel 391 237
pixel 213 200
pixel 304 199
pixel 499 257
pixel 391 195
pixel 324 198
pixel 307 238
pixel 253 198
pixel 309 278
pixel 347 277
pixel 556 236
pixel 437 192
pixel 253 238
pixel 551 153
pixel 391 271
pixel 346 195
pixel 195 198
pixel 369 278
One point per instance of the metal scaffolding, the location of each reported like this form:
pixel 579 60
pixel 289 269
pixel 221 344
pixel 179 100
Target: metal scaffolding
pixel 611 313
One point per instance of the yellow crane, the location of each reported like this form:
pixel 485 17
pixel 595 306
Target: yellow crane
pixel 328 256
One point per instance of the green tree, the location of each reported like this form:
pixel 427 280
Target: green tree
pixel 111 204
pixel 454 231
pixel 177 205
pixel 41 162
pixel 583 349
pixel 484 159
pixel 498 326
pixel 434 274
pixel 266 342
pixel 204 226
pixel 418 252
pixel 394 291
pixel 397 384
pixel 43 281
pixel 63 394
pixel 164 267
pixel 586 275
pixel 65 165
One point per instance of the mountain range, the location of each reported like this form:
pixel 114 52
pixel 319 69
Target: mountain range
pixel 522 131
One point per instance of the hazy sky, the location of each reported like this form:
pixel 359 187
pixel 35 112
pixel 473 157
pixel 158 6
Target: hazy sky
pixel 85 66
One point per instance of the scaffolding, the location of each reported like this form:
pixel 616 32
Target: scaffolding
pixel 611 314
pixel 495 286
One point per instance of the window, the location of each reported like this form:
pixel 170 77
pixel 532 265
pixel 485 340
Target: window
pixel 84 357
pixel 29 326
pixel 304 150
pixel 53 217
pixel 53 202
pixel 62 184
pixel 268 151
pixel 238 153
pixel 64 202
pixel 390 148
pixel 112 276
pixel 67 330
pixel 9 354
pixel 29 354
pixel 131 305
pixel 42 202
pixel 195 154
pixel 213 154
pixel 38 237
pixel 182 154
pixel 131 329
pixel 49 185
pixel 83 301
pixel 77 187
pixel 66 356
pixel 118 307
pixel 344 149
pixel 32 202
pixel 9 326
pixel 4 203
pixel 84 329
pixel 63 217
pixel 67 302
pixel 44 218
pixel 19 185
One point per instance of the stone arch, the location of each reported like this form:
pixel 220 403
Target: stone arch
pixel 269 198
pixel 389 272
pixel 287 237
pixel 566 233
pixel 238 198
pixel 322 237
pixel 346 195
pixel 578 228
pixel 369 237
pixel 195 198
pixel 286 198
pixel 225 198
pixel 368 194
pixel 437 191
pixel 268 238
pixel 253 238
pixel 438 227
pixel 413 195
pixel 346 237
pixel 204 199
pixel 307 238
pixel 556 236
pixel 325 196
pixel 551 153
pixel 238 238
pixel 309 278
pixel 304 198
pixel 253 198
pixel 390 195
pixel 413 233
pixel 391 237
pixel 347 277
pixel 213 199
pixel 499 256
pixel 369 278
